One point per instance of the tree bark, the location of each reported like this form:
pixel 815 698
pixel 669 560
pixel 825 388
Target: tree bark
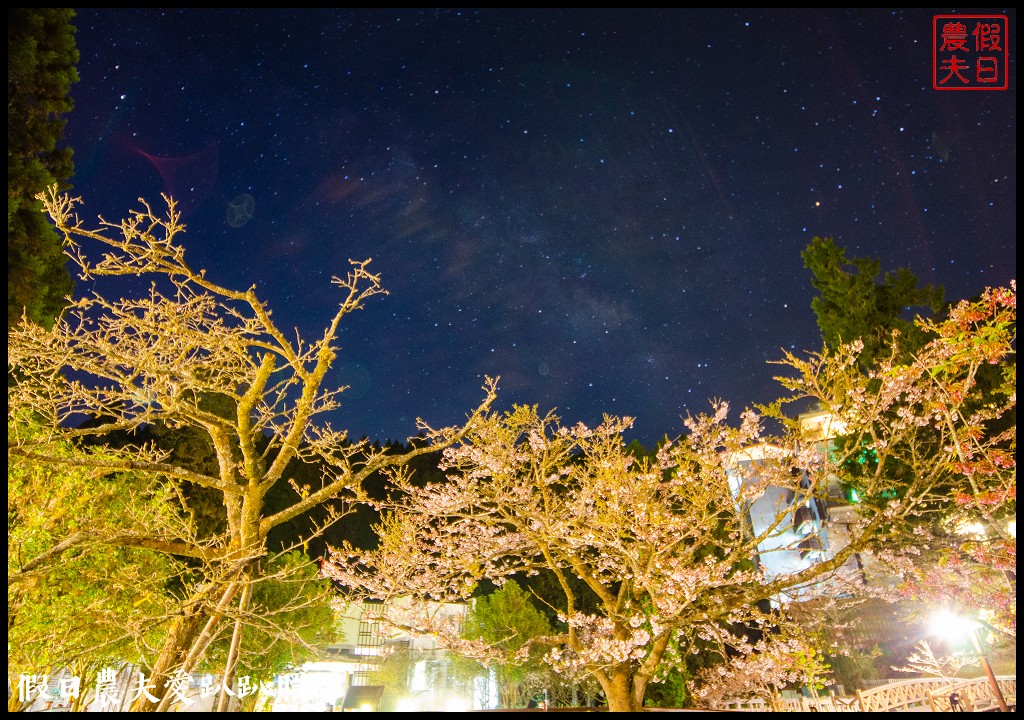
pixel 236 643
pixel 618 691
pixel 180 638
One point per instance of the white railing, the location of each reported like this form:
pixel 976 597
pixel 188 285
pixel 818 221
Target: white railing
pixel 899 695
pixel 800 704
pixel 974 695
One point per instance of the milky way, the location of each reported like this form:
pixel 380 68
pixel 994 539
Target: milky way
pixel 605 208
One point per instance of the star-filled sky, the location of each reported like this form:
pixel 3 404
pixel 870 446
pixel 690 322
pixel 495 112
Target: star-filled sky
pixel 606 208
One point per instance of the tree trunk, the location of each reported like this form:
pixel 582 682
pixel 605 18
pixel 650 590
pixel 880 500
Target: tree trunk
pixel 200 643
pixel 618 690
pixel 179 639
pixel 236 644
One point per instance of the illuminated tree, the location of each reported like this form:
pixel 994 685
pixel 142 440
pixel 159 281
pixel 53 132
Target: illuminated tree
pixel 508 623
pixel 290 619
pixel 191 353
pixel 967 557
pixel 73 599
pixel 930 421
pixel 664 546
pixel 924 661
pixel 760 668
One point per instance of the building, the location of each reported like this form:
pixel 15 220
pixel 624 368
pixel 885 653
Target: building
pixel 420 677
pixel 815 529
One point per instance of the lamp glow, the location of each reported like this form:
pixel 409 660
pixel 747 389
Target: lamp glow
pixel 952 626
pixel 408 704
pixel 458 704
pixel 955 627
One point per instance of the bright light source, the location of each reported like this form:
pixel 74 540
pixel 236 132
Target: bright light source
pixel 366 707
pixel 972 529
pixel 457 704
pixel 1011 527
pixel 407 704
pixel 952 626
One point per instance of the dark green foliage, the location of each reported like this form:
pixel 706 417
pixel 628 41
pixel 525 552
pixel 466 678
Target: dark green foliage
pixel 856 670
pixel 186 447
pixel 637 450
pixel 544 584
pixel 670 692
pixel 852 304
pixel 41 58
pixel 190 448
pixel 508 620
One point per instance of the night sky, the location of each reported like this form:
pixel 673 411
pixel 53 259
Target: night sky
pixel 604 207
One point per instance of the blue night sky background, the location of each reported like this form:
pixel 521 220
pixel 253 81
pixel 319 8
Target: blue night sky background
pixel 604 207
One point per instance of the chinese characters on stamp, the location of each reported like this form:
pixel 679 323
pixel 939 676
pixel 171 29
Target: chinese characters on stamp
pixel 970 52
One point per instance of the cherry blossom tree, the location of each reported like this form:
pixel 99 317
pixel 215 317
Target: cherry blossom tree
pixel 782 655
pixel 931 428
pixel 662 547
pixel 192 353
pixel 653 557
pixel 924 661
